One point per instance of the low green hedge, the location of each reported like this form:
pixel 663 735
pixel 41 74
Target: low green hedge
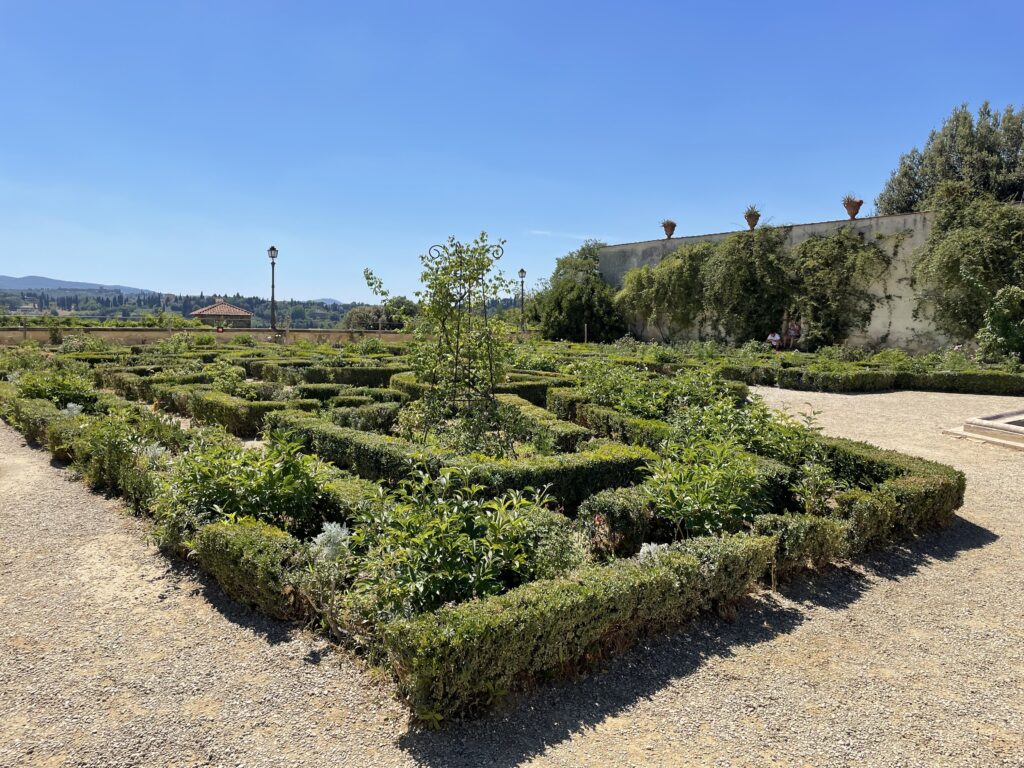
pixel 367 417
pixel 607 422
pixel 31 417
pixel 563 402
pixel 255 563
pixel 381 394
pixel 803 540
pixel 368 454
pixel 243 418
pixel 532 386
pixel 566 436
pixel 620 520
pixel 909 494
pixel 355 375
pixel 461 657
pixel 350 401
pixel 321 391
pixel 572 476
pixel 876 379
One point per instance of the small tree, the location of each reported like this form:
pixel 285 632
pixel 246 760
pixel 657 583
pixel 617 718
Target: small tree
pixel 461 351
pixel 578 303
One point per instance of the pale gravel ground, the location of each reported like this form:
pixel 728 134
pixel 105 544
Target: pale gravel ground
pixel 110 655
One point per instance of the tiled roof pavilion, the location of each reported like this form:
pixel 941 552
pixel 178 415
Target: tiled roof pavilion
pixel 221 308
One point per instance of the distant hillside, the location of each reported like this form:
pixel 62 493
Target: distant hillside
pixel 35 283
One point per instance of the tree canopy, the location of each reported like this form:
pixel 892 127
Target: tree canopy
pixel 578 303
pixel 985 152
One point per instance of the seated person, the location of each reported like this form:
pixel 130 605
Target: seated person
pixel 774 339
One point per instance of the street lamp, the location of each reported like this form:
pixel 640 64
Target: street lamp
pixel 272 253
pixel 522 300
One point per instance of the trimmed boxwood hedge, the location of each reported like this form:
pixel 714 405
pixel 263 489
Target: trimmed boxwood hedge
pixel 355 375
pixel 565 435
pixel 621 520
pixel 563 402
pixel 876 380
pixel 803 541
pixel 461 657
pixel 607 422
pixel 243 418
pixel 253 562
pixel 532 386
pixel 572 476
pixel 368 417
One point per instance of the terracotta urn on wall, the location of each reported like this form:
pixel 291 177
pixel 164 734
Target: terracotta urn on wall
pixel 752 215
pixel 852 205
pixel 669 226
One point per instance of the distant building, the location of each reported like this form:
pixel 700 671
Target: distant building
pixel 224 315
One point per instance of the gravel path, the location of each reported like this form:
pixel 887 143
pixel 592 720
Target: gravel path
pixel 110 655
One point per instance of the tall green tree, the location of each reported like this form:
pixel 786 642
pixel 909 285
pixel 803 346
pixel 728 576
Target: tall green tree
pixel 578 302
pixel 975 248
pixel 985 152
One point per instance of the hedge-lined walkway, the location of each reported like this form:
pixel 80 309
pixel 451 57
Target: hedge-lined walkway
pixel 110 655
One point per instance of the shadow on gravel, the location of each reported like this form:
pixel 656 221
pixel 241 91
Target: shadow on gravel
pixel 271 630
pixel 945 544
pixel 530 723
pixel 527 725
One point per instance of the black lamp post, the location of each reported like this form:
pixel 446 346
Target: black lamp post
pixel 522 300
pixel 272 253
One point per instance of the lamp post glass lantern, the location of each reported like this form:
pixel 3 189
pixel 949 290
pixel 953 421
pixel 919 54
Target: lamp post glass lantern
pixel 522 300
pixel 272 253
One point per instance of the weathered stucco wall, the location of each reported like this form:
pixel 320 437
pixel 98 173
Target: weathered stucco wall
pixel 892 323
pixel 148 335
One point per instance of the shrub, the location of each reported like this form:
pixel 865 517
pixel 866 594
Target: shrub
pixel 211 481
pixel 803 540
pixel 705 488
pixel 254 563
pixel 30 416
pixel 633 430
pixel 371 417
pixel 243 418
pixel 462 657
pixel 58 385
pixel 436 540
pixel 118 454
pixel 1003 330
pixel 565 437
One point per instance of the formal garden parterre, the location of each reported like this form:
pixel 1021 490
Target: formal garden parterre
pixel 474 514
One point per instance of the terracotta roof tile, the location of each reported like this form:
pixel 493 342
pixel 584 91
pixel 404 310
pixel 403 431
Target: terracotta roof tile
pixel 222 309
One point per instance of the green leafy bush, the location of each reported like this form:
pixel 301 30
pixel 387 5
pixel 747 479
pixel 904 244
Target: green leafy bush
pixel 705 488
pixel 1003 331
pixel 58 385
pixel 437 541
pixel 254 562
pixel 279 485
pixel 243 418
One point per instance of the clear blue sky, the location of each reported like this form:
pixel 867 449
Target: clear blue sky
pixel 166 145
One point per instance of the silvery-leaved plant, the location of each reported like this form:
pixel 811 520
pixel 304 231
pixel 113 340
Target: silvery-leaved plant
pixel 332 543
pixel 650 552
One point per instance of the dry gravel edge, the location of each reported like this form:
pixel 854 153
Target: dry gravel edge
pixel 111 655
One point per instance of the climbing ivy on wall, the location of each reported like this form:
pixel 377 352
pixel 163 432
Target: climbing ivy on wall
pixel 748 283
pixel 832 278
pixel 743 286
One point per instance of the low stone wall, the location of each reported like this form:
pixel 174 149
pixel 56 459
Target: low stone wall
pixel 16 335
pixel 893 322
